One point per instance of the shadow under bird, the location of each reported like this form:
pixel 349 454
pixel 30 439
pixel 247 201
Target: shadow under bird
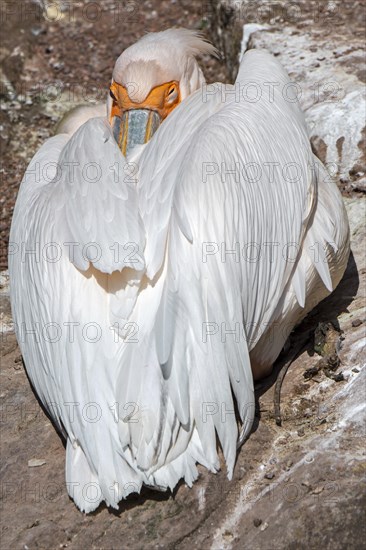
pixel 163 247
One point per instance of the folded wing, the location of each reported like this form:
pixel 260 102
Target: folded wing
pixel 226 189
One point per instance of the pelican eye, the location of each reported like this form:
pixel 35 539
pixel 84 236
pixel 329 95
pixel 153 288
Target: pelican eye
pixel 172 94
pixel 112 95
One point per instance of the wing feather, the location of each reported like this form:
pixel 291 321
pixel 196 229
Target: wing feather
pixel 94 203
pixel 236 296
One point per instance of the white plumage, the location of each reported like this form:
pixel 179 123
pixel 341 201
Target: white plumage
pixel 146 329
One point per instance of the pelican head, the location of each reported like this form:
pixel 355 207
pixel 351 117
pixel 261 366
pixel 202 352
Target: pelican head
pixel 150 79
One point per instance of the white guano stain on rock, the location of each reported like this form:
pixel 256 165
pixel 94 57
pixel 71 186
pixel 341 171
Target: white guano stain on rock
pixel 248 30
pixel 6 322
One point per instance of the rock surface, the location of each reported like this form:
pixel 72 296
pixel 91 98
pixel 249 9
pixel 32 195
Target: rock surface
pixel 330 79
pixel 321 45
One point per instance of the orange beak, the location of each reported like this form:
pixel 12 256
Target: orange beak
pixel 134 123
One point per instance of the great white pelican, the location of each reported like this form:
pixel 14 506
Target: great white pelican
pixel 160 254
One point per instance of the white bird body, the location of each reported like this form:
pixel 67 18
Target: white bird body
pixel 147 338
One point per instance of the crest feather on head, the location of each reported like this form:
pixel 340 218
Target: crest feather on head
pixel 188 41
pixel 159 57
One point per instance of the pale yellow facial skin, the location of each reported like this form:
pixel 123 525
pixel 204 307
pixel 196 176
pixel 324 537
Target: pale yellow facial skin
pixel 163 99
pixel 160 102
